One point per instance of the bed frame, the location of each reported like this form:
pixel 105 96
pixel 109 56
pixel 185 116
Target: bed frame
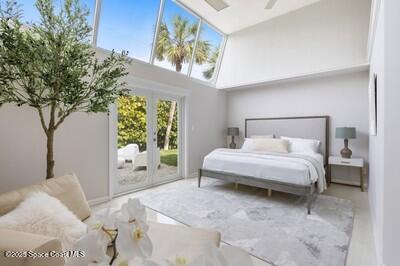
pixel 312 127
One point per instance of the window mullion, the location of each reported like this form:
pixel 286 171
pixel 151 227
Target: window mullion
pixel 96 21
pixel 194 47
pixel 219 61
pixel 156 32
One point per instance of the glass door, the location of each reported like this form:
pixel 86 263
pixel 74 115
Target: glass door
pixel 167 137
pixel 149 140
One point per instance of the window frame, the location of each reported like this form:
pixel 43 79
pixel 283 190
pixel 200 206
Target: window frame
pixel 213 80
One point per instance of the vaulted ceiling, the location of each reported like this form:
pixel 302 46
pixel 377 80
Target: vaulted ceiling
pixel 241 14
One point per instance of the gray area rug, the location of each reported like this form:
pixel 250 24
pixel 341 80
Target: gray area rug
pixel 276 230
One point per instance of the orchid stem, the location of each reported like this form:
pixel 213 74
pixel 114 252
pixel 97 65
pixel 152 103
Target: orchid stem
pixel 115 255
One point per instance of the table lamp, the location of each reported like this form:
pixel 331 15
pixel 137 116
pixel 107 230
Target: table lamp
pixel 346 133
pixel 233 131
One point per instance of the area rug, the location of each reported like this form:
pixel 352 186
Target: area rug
pixel 276 229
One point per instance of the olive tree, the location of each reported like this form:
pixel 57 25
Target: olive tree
pixel 52 67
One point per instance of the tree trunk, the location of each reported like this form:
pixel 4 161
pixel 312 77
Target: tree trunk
pixel 178 67
pixel 169 125
pixel 50 154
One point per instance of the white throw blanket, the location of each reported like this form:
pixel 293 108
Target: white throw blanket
pixel 296 168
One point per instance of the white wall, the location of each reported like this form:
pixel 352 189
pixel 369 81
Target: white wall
pixel 376 143
pixel 344 98
pixel 328 35
pixel 384 153
pixel 391 211
pixel 81 144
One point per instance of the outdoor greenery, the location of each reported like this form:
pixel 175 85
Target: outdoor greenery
pixel 132 122
pixel 51 66
pixel 208 74
pixel 176 45
pixel 169 157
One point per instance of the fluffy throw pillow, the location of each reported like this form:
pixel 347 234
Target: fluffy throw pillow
pixel 42 214
pixel 303 145
pixel 270 145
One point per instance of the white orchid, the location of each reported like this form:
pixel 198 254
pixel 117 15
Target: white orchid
pixel 133 210
pixel 104 219
pixel 104 223
pixel 132 240
pixel 94 248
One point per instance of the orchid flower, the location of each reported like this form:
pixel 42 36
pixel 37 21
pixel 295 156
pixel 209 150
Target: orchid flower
pixel 133 210
pixel 104 222
pixel 104 218
pixel 132 240
pixel 94 248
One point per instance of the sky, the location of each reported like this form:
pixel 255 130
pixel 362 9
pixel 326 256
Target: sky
pixel 130 25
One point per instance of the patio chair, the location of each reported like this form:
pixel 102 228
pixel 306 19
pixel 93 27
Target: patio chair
pixel 128 153
pixel 141 159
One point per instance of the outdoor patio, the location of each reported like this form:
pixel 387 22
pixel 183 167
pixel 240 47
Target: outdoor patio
pixel 128 175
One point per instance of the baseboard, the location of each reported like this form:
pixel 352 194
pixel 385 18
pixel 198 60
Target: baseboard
pixel 99 200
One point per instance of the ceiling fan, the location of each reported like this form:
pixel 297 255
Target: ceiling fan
pixel 221 4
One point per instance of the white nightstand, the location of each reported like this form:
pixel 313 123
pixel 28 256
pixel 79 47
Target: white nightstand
pixel 352 162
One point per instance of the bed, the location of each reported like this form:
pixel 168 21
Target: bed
pixel 296 172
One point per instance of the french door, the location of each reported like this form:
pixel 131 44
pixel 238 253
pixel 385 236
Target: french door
pixel 149 140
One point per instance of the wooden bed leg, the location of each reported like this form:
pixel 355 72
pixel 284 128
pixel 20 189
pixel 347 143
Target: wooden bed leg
pixel 236 186
pixel 199 180
pixel 269 193
pixel 309 199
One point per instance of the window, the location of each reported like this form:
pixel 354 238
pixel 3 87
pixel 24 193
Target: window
pixel 129 26
pixel 207 53
pixel 31 14
pixel 176 38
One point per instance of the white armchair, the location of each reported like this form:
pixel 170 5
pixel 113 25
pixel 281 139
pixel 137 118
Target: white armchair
pixel 128 153
pixel 141 159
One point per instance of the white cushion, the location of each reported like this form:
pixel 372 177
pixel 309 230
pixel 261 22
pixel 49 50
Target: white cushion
pixel 42 214
pixel 302 145
pixel 248 142
pixel 270 145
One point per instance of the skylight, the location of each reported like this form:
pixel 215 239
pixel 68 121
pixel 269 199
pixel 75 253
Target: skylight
pixel 185 43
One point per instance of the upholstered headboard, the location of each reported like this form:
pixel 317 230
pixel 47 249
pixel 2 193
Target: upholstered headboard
pixel 310 127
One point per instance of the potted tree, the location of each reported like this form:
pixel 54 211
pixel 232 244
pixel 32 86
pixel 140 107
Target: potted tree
pixel 52 67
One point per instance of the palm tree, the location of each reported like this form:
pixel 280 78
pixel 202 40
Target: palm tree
pixel 176 46
pixel 213 62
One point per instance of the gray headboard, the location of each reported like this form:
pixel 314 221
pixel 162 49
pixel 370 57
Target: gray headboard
pixel 310 127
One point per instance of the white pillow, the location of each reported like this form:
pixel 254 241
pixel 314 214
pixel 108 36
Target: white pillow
pixel 303 145
pixel 42 214
pixel 247 144
pixel 270 145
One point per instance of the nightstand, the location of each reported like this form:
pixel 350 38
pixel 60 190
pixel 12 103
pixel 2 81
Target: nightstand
pixel 352 162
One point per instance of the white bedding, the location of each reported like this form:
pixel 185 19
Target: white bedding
pixel 293 168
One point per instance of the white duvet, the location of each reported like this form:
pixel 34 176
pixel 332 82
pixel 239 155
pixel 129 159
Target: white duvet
pixel 293 168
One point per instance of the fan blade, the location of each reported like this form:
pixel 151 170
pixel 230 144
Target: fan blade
pixel 217 4
pixel 271 4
